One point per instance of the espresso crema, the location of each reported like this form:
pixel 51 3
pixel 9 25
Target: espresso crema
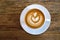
pixel 34 18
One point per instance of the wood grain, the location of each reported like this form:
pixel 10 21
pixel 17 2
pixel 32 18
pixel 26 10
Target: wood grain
pixel 10 28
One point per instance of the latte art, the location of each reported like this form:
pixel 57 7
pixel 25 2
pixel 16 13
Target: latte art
pixel 34 18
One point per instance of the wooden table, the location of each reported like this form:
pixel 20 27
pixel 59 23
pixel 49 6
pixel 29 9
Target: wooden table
pixel 10 28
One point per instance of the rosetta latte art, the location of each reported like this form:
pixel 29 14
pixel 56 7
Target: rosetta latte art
pixel 35 17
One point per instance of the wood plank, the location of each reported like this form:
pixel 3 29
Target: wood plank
pixel 9 21
pixel 13 7
pixel 21 35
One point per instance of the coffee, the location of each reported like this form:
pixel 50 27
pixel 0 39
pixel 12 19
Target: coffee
pixel 34 18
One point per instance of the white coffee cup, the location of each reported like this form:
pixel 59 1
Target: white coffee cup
pixel 43 28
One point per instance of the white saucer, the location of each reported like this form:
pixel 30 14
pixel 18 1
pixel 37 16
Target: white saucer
pixel 44 27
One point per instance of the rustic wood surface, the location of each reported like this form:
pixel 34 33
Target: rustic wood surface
pixel 10 28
